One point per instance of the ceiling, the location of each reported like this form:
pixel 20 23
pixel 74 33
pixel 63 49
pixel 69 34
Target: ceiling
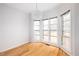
pixel 30 7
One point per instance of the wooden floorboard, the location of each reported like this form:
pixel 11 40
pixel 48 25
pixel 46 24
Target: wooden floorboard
pixel 34 49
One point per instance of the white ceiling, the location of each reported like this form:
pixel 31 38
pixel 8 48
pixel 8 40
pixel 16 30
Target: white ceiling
pixel 30 7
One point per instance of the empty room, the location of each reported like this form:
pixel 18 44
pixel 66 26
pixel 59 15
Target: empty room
pixel 39 29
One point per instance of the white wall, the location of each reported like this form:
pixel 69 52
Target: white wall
pixel 14 27
pixel 76 20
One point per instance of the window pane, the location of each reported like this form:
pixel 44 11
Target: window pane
pixel 36 22
pixel 54 40
pixel 46 38
pixel 53 30
pixel 46 30
pixel 67 44
pixel 36 28
pixel 66 30
pixel 54 33
pixel 53 21
pixel 36 37
pixel 46 27
pixel 46 33
pixel 66 17
pixel 46 22
pixel 66 34
pixel 36 32
pixel 66 40
pixel 67 24
pixel 53 27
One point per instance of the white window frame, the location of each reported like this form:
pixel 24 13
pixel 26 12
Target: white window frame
pixel 70 30
pixel 36 30
pixel 46 30
pixel 49 30
pixel 53 30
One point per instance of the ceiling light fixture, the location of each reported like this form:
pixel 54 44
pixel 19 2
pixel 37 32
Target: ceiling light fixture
pixel 36 14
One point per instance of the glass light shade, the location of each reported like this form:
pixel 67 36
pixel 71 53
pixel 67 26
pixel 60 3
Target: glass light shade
pixel 36 14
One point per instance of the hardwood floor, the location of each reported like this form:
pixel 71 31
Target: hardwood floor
pixel 35 49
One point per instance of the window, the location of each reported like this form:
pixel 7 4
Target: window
pixel 37 30
pixel 46 30
pixel 66 39
pixel 53 30
pixel 50 30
